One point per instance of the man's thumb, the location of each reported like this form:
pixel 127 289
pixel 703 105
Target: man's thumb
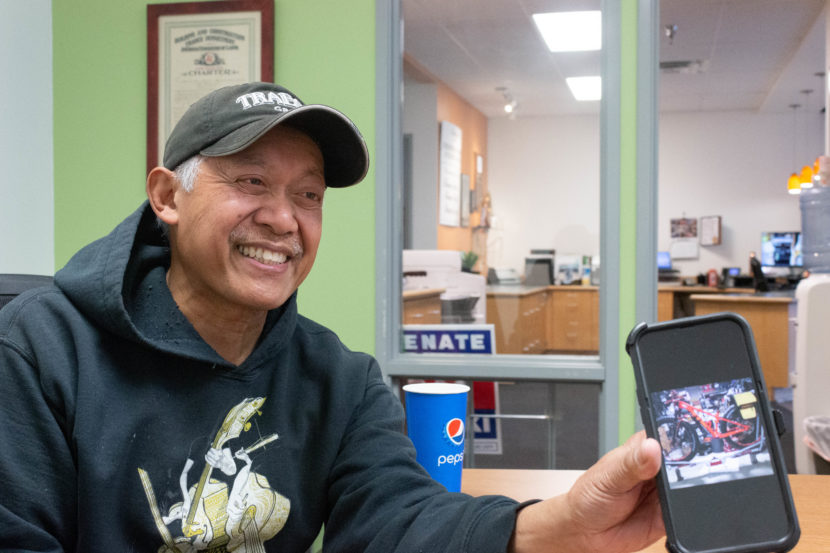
pixel 640 460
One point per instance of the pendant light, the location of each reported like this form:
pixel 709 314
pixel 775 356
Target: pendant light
pixel 794 184
pixel 805 179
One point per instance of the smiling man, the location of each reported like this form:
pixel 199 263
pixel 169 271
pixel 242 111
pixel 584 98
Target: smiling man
pixel 165 395
pixel 245 237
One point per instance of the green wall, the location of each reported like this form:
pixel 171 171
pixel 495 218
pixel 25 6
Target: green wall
pixel 99 117
pixel 324 52
pixel 628 213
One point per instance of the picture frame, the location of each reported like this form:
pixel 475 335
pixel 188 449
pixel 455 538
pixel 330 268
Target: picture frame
pixel 196 47
pixel 683 227
pixel 710 230
pixel 449 174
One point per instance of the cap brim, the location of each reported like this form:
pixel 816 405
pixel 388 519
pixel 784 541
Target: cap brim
pixel 345 156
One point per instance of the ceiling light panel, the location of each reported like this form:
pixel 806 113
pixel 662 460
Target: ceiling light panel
pixel 570 31
pixel 585 89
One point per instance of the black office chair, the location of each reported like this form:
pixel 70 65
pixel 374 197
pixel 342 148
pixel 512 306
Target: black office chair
pixel 12 285
pixel 759 279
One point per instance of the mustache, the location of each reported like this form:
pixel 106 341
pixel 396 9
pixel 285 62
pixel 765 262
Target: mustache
pixel 290 241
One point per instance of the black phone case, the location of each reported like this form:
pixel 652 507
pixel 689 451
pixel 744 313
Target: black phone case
pixel 632 347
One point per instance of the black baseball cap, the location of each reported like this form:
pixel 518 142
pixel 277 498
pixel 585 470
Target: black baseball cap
pixel 230 119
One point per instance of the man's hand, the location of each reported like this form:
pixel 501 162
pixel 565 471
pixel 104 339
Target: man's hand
pixel 612 508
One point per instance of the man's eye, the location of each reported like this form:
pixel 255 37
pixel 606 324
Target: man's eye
pixel 252 181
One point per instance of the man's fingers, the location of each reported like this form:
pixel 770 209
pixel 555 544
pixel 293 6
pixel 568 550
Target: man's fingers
pixel 648 518
pixel 614 504
pixel 637 460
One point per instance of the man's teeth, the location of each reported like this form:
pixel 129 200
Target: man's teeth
pixel 263 256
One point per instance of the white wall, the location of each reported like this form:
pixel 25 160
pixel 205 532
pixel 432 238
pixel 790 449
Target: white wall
pixel 543 176
pixel 26 189
pixel 736 165
pixel 544 181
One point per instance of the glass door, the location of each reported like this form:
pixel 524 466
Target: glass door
pixel 501 223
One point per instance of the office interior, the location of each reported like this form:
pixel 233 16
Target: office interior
pixel 725 148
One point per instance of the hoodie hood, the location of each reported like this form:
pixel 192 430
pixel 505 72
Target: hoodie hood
pixel 119 282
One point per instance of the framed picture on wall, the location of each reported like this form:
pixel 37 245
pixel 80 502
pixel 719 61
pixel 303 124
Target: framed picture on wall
pixel 683 227
pixel 196 47
pixel 449 174
pixel 710 230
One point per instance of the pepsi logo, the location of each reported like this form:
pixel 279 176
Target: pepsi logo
pixel 455 431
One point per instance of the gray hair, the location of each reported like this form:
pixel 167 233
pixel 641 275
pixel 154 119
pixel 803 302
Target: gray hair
pixel 187 171
pixel 185 174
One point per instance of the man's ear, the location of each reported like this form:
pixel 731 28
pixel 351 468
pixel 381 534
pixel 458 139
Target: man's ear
pixel 161 191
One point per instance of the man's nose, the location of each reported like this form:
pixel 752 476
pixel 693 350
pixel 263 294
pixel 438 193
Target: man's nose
pixel 277 213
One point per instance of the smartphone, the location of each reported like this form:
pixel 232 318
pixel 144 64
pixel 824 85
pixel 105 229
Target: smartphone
pixel 723 483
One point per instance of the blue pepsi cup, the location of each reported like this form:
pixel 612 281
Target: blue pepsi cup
pixel 435 413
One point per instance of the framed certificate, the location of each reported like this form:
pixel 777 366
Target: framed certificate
pixel 196 47
pixel 710 230
pixel 449 163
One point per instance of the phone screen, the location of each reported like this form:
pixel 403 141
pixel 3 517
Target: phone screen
pixel 711 433
pixel 701 395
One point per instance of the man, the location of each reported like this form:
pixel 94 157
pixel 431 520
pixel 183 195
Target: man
pixel 166 396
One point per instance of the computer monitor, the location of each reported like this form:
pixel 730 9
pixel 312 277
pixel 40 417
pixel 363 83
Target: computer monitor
pixel 663 261
pixel 781 249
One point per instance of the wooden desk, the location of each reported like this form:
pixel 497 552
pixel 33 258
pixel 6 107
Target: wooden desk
pixel 565 319
pixel 769 318
pixel 544 319
pixel 519 314
pixel 673 300
pixel 811 494
pixel 422 306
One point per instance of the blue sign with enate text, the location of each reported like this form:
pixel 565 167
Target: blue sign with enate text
pixel 449 338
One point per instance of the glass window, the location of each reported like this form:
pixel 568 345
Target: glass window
pixel 538 425
pixel 501 180
pixel 520 199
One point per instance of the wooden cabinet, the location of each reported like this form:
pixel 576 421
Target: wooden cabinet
pixel 422 307
pixel 519 317
pixel 533 322
pixel 768 317
pixel 573 319
pixel 665 305
pixel 552 319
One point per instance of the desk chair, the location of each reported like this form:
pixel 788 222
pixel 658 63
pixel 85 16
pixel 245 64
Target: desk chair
pixel 759 279
pixel 12 285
